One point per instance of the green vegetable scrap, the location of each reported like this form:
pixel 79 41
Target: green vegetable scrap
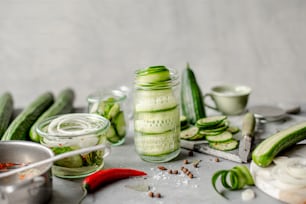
pixel 233 179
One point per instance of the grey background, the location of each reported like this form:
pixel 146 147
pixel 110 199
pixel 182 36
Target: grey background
pixel 93 44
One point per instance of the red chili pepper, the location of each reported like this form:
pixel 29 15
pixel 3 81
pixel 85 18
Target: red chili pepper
pixel 105 176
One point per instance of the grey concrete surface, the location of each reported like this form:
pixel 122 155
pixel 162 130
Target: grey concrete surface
pixel 89 45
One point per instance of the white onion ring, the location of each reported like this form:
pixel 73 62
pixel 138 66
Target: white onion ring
pixel 82 123
pixel 291 171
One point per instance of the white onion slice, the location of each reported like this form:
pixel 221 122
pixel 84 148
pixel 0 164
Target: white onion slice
pixel 279 159
pixel 297 167
pixel 71 124
pixel 291 171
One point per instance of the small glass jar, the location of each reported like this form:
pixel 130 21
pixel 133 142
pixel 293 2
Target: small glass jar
pixel 157 114
pixel 112 106
pixel 68 132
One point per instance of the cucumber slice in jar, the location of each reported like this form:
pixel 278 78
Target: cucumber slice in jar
pixel 120 124
pixel 152 75
pixel 157 122
pixel 70 162
pixel 114 110
pixel 157 144
pixel 111 135
pixel 153 100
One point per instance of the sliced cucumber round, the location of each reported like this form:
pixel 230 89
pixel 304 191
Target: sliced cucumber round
pixel 189 132
pixel 233 129
pixel 211 133
pixel 225 146
pixel 210 121
pixel 224 136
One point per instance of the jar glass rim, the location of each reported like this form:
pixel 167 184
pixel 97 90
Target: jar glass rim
pixel 100 95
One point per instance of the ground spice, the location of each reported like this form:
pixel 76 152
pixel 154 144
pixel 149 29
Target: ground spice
pixel 151 194
pixel 162 168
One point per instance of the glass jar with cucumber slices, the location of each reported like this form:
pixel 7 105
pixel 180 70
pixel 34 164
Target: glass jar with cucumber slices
pixel 111 105
pixel 156 114
pixel 69 132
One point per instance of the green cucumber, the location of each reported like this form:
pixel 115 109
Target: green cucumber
pixel 120 124
pixel 152 74
pixel 210 121
pixel 189 132
pixel 191 97
pixel 218 128
pixel 210 133
pixel 233 129
pixel 21 125
pixel 156 122
pixel 111 135
pixel 6 111
pixel 265 152
pixel 184 123
pixel 156 144
pixel 223 137
pixel 114 110
pixel 224 146
pixel 152 100
pixel 63 104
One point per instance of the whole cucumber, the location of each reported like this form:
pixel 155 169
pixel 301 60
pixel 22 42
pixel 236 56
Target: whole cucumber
pixel 63 104
pixel 191 97
pixel 21 125
pixel 6 111
pixel 265 152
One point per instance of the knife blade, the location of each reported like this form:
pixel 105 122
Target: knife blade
pixel 245 145
pixel 203 147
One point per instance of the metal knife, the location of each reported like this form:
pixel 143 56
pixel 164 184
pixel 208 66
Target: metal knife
pixel 203 147
pixel 245 145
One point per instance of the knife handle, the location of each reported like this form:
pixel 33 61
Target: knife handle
pixel 248 124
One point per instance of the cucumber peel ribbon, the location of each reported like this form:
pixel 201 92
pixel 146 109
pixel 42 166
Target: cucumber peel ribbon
pixel 233 179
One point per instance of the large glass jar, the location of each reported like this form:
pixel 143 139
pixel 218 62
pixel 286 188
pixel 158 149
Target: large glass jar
pixel 156 114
